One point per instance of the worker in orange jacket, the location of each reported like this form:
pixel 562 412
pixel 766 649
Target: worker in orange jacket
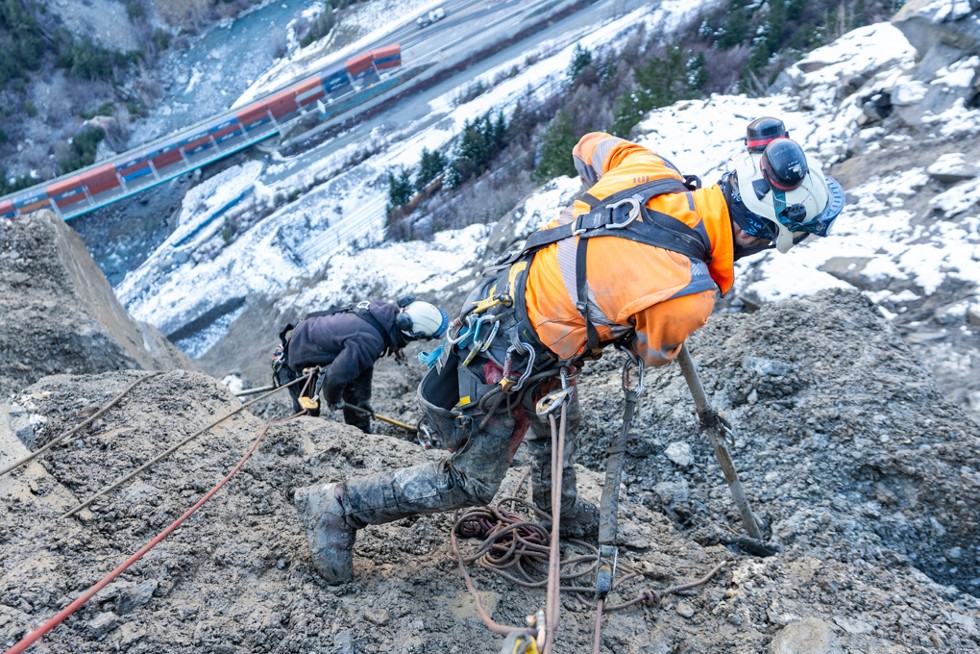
pixel 637 262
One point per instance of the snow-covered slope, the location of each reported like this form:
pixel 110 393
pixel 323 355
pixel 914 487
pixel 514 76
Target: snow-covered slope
pixel 909 236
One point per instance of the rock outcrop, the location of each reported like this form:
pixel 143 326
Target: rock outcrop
pixel 58 313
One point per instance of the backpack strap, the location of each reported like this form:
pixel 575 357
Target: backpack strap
pixel 617 215
pixel 363 310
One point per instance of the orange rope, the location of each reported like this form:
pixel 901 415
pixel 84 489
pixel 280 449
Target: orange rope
pixel 36 635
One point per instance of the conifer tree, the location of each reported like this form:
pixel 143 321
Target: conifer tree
pixel 556 148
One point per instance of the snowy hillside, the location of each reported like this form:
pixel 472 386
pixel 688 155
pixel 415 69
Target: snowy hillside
pixel 889 243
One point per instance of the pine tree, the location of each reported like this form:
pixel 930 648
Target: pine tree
pixel 430 166
pixel 399 188
pixel 556 149
pixel 580 59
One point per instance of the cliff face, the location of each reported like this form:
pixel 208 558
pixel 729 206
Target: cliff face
pixel 59 314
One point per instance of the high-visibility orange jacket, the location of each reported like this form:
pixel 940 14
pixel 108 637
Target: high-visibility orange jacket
pixel 661 295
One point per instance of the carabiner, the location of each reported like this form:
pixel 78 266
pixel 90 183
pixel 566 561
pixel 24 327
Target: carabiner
pixel 631 361
pixel 553 401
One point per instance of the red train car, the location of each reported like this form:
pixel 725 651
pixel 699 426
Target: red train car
pixel 134 168
pixel 226 130
pixel 308 91
pixel 101 179
pixel 165 156
pixel 387 57
pixel 195 144
pixel 68 191
pixel 253 115
pixel 359 64
pixel 276 106
pixel 282 103
pixel 7 209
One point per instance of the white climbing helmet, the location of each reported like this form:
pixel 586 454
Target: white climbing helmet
pixel 422 320
pixel 790 194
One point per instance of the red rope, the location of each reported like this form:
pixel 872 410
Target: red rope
pixel 36 635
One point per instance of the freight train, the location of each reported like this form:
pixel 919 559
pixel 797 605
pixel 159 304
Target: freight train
pixel 92 187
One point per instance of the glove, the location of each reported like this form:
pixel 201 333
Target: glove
pixel 367 407
pixel 335 405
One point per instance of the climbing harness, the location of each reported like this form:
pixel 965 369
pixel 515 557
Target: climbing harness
pixel 617 215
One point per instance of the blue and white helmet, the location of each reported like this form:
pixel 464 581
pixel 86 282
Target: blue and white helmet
pixel 793 197
pixel 421 320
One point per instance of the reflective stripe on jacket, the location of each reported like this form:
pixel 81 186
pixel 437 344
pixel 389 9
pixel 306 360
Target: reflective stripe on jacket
pixel 662 295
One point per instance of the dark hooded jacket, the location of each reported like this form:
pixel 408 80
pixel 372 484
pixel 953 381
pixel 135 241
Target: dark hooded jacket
pixel 345 344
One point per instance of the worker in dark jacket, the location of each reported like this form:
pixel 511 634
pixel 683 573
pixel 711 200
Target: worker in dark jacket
pixel 345 343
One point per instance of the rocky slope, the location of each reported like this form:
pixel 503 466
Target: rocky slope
pixel 866 480
pixel 59 312
pixel 863 471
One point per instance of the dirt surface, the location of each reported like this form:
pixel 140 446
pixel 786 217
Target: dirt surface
pixel 58 312
pixel 864 476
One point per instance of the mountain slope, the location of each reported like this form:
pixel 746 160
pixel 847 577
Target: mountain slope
pixel 897 125
pixel 864 476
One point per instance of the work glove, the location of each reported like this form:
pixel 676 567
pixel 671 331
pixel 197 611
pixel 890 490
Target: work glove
pixel 335 405
pixel 367 407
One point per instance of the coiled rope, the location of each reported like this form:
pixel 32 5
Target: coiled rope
pixel 521 550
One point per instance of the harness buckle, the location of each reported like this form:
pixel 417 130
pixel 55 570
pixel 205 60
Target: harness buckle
pixel 633 214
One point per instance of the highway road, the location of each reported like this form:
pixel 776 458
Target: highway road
pixel 469 26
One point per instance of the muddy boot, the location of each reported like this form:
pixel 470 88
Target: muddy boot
pixel 579 518
pixel 579 521
pixel 331 539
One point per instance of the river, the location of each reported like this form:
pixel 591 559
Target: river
pixel 204 74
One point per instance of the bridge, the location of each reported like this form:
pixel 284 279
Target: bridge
pixel 326 94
